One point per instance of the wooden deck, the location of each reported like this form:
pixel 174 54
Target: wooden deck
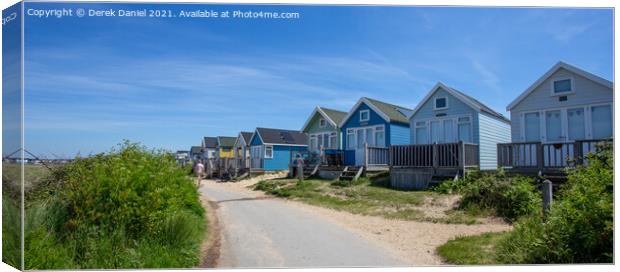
pixel 417 166
pixel 546 159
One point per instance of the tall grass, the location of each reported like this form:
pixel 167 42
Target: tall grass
pixel 129 208
pixel 11 230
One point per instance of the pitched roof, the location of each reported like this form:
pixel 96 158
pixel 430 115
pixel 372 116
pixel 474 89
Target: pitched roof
pixel 483 107
pixel 334 117
pixel 247 136
pixel 282 136
pixel 394 112
pixel 210 142
pixel 195 150
pixel 387 111
pixel 555 68
pixel 224 141
pixel 472 102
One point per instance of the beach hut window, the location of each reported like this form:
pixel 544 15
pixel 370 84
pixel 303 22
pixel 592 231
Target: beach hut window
pixel 464 127
pixel 562 86
pixel 332 140
pixel 313 143
pixel 364 115
pixel 602 122
pixel 441 103
pixel 350 139
pixel 268 152
pixel 380 136
pixel 421 133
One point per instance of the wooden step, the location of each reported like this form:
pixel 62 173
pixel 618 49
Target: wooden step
pixel 331 168
pixel 351 173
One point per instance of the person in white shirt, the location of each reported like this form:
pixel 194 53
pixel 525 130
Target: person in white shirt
pixel 199 171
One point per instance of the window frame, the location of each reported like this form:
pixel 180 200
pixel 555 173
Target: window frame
pixel 469 122
pixel 561 78
pixel 368 115
pixel 270 147
pixel 334 136
pixel 563 127
pixel 590 124
pixel 585 127
pixel 420 125
pixel 350 144
pixel 313 146
pixel 322 122
pixel 589 133
pixel 376 130
pixel 435 103
pixel 426 123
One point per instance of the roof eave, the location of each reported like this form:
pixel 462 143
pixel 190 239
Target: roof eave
pixel 370 105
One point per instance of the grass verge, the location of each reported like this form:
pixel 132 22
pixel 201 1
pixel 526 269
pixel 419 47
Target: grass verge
pixel 472 250
pixel 367 197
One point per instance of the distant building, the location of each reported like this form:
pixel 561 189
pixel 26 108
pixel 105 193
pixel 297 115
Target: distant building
pixel 273 149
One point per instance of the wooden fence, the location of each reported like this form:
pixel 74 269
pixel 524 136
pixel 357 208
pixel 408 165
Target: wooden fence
pixel 376 156
pixel 446 155
pixel 536 156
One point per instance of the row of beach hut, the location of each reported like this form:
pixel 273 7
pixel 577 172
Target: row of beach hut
pixel 557 120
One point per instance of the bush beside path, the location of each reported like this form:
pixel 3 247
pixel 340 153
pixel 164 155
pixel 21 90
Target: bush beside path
pixel 128 208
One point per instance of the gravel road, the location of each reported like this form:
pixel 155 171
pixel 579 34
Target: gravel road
pixel 268 233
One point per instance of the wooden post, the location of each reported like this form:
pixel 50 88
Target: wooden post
pixel 578 152
pixel 500 162
pixel 366 155
pixel 540 161
pixel 462 156
pixel 547 189
pixel 435 157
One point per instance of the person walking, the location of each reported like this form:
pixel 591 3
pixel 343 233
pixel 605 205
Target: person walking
pixel 199 171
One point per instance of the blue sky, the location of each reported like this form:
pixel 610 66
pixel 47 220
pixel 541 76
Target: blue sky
pixel 91 82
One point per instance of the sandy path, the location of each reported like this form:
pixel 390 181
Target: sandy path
pixel 413 242
pixel 259 232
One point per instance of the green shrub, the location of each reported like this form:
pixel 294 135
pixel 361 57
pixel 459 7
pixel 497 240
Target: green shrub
pixel 579 226
pixel 265 185
pixel 349 183
pixel 342 183
pixel 130 208
pixel 129 188
pixel 453 186
pixel 508 197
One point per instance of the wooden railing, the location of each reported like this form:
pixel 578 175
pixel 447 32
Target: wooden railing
pixel 519 155
pixel 537 156
pixel 376 156
pixel 447 155
pixel 471 155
